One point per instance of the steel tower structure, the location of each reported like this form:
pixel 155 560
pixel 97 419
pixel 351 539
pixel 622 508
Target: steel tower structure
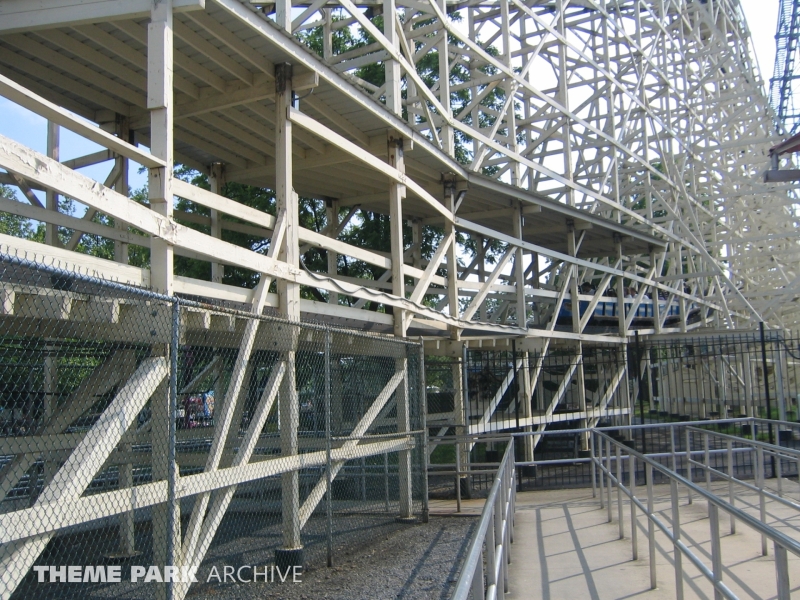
pixel 784 80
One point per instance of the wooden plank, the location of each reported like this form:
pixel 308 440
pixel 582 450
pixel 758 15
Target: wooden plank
pixel 359 430
pixel 77 472
pixel 29 15
pixel 328 135
pixel 58 115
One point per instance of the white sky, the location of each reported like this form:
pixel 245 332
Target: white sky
pixel 762 19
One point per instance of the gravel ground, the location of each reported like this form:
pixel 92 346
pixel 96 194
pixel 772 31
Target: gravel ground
pixel 375 558
pixel 414 563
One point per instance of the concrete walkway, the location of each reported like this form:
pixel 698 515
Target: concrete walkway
pixel 565 548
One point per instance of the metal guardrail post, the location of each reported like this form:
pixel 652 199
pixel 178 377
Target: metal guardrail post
pixel 676 534
pixel 782 572
pixel 490 544
pixel 602 482
pixel 762 501
pixel 619 494
pixel 716 549
pixel 689 464
pixel 594 466
pixel 632 484
pixel 672 449
pixel 458 478
pixel 731 496
pixel 707 460
pixel 651 527
pixel 608 476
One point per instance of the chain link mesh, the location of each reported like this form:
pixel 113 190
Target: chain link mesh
pixel 103 384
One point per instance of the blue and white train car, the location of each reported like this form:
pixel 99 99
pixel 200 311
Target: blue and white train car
pixel 606 310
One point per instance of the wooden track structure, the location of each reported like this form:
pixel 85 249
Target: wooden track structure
pixel 617 142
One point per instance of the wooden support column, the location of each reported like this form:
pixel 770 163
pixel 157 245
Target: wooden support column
pixel 396 194
pixel 572 250
pixel 121 185
pixel 216 180
pixel 448 139
pixel 160 104
pixel 332 218
pixel 289 306
pixel 519 269
pixel 51 198
pixel 624 388
pixel 654 294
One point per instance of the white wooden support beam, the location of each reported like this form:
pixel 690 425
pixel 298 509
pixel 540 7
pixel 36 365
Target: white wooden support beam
pixel 75 475
pixel 332 218
pixel 397 192
pixel 359 430
pixel 121 166
pixel 452 261
pixel 20 15
pixel 424 282
pixel 216 180
pixel 395 174
pixel 52 112
pixel 288 292
pixel 194 554
pixel 519 269
pixel 484 291
pixel 51 197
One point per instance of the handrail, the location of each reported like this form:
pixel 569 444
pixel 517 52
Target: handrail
pixel 757 443
pixel 760 448
pixel 496 530
pixel 782 543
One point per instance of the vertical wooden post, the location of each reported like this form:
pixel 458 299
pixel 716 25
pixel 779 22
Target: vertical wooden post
pixel 51 197
pixel 519 269
pixel 289 305
pixel 216 180
pixel 121 186
pixel 572 250
pixel 160 105
pixel 448 139
pixel 332 218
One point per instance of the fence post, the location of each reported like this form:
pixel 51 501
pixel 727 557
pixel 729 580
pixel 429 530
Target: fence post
pixel 766 388
pixel 641 385
pixel 328 465
pixel 423 395
pixel 173 519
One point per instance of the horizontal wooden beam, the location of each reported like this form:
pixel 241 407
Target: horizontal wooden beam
pixel 24 15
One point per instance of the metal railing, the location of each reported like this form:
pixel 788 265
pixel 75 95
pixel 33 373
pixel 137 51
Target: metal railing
pixel 760 451
pixel 491 540
pixel 602 457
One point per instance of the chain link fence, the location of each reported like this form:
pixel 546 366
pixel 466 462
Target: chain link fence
pixel 148 440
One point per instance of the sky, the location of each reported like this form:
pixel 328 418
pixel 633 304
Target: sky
pixel 30 129
pixel 762 20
